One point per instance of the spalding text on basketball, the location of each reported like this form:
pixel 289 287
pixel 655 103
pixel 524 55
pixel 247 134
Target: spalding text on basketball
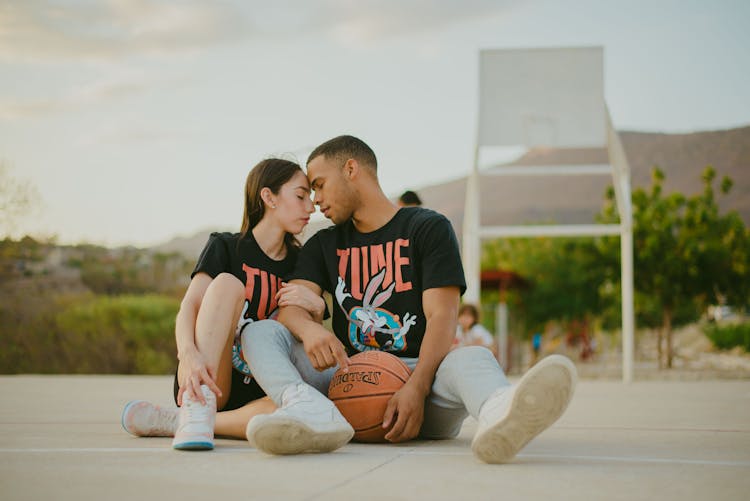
pixel 368 377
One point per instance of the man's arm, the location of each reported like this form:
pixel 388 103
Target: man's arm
pixel 322 347
pixel 303 296
pixel 440 306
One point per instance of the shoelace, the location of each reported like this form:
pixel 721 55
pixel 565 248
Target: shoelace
pixel 163 419
pixel 197 413
pixel 295 395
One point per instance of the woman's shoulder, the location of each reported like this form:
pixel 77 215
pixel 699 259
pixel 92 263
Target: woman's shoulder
pixel 221 241
pixel 226 236
pixel 478 330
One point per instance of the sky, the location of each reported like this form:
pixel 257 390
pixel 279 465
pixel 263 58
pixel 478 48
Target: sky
pixel 136 121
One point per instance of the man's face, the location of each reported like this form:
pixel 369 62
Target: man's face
pixel 333 191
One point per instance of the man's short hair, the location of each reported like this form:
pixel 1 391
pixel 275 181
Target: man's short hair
pixel 344 148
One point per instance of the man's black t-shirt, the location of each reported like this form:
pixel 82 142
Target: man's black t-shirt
pixel 261 275
pixel 377 279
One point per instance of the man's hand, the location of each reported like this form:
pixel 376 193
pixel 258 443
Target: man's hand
pixel 406 406
pixel 404 414
pixel 324 349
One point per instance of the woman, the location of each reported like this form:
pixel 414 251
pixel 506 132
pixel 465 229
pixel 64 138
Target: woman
pixel 238 280
pixel 470 332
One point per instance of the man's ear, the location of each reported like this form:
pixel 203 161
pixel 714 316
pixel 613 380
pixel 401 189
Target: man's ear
pixel 351 169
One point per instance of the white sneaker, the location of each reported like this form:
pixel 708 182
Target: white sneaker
pixel 195 425
pixel 144 419
pixel 306 422
pixel 512 416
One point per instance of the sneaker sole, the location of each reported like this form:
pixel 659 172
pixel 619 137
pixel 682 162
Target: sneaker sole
pixel 125 413
pixel 283 436
pixel 540 399
pixel 193 446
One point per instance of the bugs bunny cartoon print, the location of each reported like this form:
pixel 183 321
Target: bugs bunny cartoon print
pixel 372 327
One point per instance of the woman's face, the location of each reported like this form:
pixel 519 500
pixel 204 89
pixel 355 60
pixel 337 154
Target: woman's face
pixel 466 320
pixel 293 204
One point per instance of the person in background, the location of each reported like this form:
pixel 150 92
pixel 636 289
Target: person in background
pixel 409 199
pixel 470 332
pixel 536 346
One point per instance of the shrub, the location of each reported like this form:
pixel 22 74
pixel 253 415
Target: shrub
pixel 86 334
pixel 728 336
pixel 120 334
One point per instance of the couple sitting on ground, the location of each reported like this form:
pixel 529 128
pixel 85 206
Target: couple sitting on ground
pixel 251 344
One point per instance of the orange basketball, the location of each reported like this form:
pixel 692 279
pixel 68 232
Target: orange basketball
pixel 362 393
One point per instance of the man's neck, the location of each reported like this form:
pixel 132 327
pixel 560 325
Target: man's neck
pixel 374 213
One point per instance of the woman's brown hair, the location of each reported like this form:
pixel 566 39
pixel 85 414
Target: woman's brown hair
pixel 271 173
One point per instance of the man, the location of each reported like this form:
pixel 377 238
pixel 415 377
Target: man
pixel 396 278
pixel 409 198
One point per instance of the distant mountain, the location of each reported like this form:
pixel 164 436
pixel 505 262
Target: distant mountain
pixel 188 245
pixel 577 199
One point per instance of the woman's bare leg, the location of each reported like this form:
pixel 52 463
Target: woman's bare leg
pixel 215 326
pixel 233 423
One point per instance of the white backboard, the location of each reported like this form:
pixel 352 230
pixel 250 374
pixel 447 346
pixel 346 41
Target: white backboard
pixel 542 97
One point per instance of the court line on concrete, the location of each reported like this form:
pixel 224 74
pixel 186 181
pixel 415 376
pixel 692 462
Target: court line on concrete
pixel 635 459
pixel 646 428
pixel 353 478
pixel 556 427
pixel 612 459
pixel 413 452
pixel 48 450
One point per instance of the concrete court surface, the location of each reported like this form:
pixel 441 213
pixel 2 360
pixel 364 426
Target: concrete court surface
pixel 60 438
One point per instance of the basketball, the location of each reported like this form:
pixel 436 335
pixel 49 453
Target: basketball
pixel 362 393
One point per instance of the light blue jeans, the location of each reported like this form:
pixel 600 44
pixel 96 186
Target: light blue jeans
pixel 464 380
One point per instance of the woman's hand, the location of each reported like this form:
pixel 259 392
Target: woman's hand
pixel 299 295
pixel 192 374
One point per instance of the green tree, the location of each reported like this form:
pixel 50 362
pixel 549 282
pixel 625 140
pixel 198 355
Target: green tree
pixel 686 255
pixel 717 246
pixel 562 274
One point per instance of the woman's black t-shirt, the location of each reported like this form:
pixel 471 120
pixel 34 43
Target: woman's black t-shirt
pixel 261 276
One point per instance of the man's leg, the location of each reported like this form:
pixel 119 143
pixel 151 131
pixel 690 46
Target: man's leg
pixel 508 416
pixel 463 382
pixel 278 360
pixel 306 420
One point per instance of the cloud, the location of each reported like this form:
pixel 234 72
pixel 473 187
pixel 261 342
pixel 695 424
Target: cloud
pixel 103 90
pixel 372 20
pixel 54 31
pixel 51 31
pixel 131 134
pixel 62 34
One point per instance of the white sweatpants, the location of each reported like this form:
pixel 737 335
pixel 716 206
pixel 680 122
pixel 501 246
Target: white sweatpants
pixel 464 380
